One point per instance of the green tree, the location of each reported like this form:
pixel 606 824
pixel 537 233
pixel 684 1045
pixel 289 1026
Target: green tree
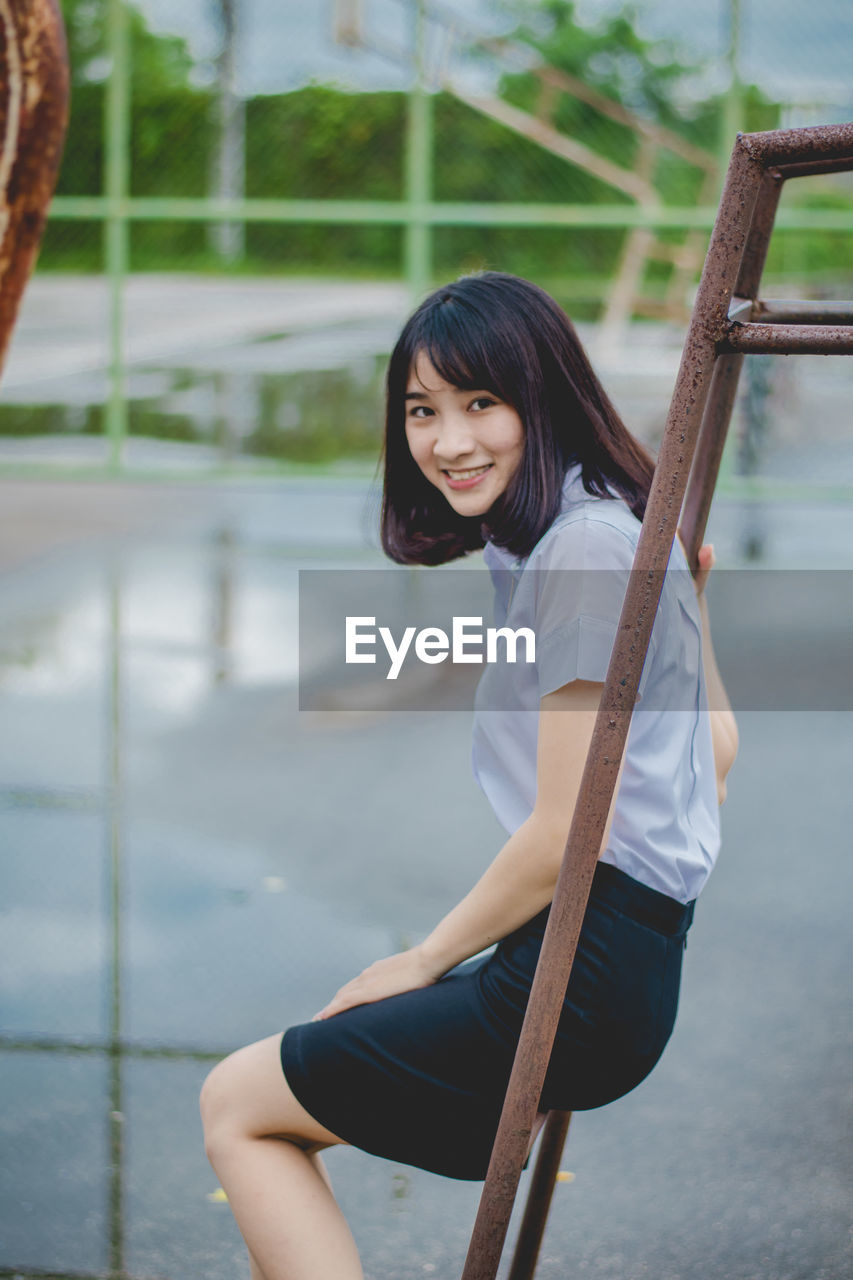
pixel 643 75
pixel 159 63
pixel 652 78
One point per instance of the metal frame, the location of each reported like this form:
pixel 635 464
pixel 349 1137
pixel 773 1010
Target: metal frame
pixel 33 119
pixel 728 320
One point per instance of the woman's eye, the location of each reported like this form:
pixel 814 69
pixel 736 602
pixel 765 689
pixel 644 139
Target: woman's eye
pixel 483 402
pixel 420 411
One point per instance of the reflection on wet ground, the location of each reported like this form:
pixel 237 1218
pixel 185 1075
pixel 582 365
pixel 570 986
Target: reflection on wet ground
pixel 247 373
pixel 223 370
pixel 163 807
pixel 190 863
pixel 309 415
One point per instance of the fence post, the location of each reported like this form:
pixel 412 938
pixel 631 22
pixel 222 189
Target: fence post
pixel 731 114
pixel 419 144
pixel 116 227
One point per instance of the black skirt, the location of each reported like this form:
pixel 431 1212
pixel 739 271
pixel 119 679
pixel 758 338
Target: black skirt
pixel 420 1077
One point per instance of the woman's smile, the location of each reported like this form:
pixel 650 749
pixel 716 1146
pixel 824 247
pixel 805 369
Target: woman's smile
pixel 466 479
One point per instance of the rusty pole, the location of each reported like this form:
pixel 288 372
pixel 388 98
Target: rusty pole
pixel 735 255
pixel 33 119
pixel 545 1172
pixel 823 327
pixel 612 723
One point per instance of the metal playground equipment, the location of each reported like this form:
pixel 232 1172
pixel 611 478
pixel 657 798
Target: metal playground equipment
pixel 728 321
pixel 33 119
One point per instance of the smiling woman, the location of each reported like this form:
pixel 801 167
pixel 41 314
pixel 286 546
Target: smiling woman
pixel 498 348
pixel 499 436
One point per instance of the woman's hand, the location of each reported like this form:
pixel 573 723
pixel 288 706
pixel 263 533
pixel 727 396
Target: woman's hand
pixel 707 560
pixel 403 972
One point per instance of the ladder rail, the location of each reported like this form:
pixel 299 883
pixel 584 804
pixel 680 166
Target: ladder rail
pixel 684 480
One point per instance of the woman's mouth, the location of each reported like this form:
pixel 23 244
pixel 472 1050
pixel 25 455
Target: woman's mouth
pixel 468 477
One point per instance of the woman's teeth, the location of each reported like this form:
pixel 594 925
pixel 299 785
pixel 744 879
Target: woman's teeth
pixel 468 475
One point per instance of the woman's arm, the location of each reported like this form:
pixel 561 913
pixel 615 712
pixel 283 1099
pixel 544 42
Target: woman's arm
pixel 521 879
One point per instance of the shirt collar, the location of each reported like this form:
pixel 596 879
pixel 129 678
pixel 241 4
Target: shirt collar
pixel 572 491
pixel 500 558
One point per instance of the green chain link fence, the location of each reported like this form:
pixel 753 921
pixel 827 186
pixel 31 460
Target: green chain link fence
pixel 173 166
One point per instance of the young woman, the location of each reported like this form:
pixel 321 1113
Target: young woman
pixel 499 435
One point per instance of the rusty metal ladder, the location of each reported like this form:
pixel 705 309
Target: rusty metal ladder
pixel 728 321
pixel 33 118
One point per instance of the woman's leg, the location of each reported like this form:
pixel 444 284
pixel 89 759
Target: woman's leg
pixel 263 1145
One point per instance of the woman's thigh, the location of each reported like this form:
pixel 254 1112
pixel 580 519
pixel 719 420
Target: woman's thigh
pixel 248 1093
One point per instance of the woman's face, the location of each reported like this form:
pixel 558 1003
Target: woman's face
pixel 467 443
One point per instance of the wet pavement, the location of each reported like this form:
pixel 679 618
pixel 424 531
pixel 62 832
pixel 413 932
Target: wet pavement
pixel 190 863
pixel 247 373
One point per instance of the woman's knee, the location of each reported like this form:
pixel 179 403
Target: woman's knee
pixel 246 1096
pixel 219 1104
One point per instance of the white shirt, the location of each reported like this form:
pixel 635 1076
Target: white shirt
pixel 665 831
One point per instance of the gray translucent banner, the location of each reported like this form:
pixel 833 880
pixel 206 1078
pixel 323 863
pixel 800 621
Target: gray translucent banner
pixel 424 639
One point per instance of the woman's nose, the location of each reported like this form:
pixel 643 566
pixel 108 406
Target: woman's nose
pixel 454 438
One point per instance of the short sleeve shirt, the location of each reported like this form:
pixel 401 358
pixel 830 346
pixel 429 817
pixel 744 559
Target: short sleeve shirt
pixel 569 592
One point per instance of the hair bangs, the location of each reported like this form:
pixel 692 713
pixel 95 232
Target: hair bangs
pixel 461 348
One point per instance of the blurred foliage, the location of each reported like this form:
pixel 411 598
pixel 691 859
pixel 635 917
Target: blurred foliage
pixel 159 62
pixel 325 143
pixel 644 76
pixel 321 142
pixel 477 159
pixel 319 415
pixel 649 78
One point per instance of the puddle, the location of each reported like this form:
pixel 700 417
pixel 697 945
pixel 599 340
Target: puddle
pixel 187 619
pixel 309 398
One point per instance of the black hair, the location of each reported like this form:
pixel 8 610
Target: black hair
pixel 496 332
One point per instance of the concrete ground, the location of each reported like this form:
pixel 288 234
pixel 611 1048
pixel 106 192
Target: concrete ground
pixel 190 863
